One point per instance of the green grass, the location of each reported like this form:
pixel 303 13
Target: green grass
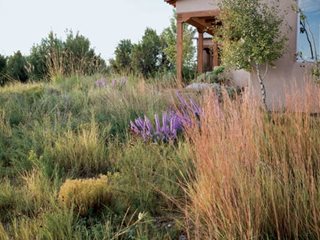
pixel 71 129
pixel 243 174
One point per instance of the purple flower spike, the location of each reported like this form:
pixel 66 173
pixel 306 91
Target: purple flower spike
pixel 118 83
pixel 171 124
pixel 101 83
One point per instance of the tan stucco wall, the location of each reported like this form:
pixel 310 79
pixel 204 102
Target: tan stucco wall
pixel 288 75
pixel 195 5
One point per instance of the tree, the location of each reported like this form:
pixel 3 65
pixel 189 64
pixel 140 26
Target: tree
pixel 3 69
pixel 80 57
pixel 170 37
pixel 146 55
pixel 251 36
pixel 55 57
pixel 123 52
pixel 17 67
pixel 38 69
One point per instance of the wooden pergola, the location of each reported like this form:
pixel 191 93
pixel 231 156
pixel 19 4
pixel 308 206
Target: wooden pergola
pixel 203 22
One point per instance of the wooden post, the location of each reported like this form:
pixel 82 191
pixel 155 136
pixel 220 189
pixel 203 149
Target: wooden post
pixel 179 51
pixel 215 55
pixel 200 51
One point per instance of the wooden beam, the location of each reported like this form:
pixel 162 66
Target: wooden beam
pixel 200 51
pixel 195 24
pixel 185 16
pixel 201 24
pixel 179 51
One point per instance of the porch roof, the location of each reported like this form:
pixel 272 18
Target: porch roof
pixel 172 2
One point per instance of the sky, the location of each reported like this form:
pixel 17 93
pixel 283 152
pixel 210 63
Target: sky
pixel 105 22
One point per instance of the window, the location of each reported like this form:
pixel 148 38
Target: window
pixel 309 32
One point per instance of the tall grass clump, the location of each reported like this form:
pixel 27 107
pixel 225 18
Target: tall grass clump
pixel 256 174
pixel 86 194
pixel 82 152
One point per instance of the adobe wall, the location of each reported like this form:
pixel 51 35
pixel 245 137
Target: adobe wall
pixel 288 75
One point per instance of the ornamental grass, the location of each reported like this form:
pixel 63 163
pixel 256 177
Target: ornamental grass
pixel 256 174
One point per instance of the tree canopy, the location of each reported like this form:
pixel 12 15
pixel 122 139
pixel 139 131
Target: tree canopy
pixel 252 35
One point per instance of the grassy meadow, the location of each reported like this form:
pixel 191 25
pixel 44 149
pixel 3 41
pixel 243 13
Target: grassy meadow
pixel 71 169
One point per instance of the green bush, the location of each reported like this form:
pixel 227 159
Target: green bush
pixel 17 67
pixel 54 57
pixel 122 61
pixel 3 70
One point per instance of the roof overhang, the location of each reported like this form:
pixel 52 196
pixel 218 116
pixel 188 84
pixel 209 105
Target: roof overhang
pixel 172 2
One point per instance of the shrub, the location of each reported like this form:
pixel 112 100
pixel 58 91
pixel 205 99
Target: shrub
pixel 17 67
pixel 55 58
pixel 145 55
pixel 81 57
pixel 3 70
pixel 86 194
pixel 122 62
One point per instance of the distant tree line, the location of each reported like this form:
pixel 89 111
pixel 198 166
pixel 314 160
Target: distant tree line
pixel 154 53
pixel 52 58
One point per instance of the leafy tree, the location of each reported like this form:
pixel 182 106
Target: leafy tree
pixel 251 36
pixel 47 59
pixel 17 67
pixel 146 55
pixel 3 69
pixel 81 58
pixel 37 59
pixel 54 57
pixel 170 37
pixel 123 52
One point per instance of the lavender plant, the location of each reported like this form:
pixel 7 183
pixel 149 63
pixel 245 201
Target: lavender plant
pixel 101 83
pixel 115 83
pixel 170 125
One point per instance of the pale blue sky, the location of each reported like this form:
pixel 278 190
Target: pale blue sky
pixel 104 22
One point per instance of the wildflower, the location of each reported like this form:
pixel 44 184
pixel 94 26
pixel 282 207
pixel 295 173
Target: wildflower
pixel 171 124
pixel 101 83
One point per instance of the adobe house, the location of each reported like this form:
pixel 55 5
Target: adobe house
pixel 291 72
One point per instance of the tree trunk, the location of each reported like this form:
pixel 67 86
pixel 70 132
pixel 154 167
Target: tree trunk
pixel 262 88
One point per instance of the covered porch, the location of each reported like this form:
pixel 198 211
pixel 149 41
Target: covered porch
pixel 203 21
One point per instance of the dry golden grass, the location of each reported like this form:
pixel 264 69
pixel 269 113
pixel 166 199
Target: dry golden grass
pixel 86 194
pixel 257 174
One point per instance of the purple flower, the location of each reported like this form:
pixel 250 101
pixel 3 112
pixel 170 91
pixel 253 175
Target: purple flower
pixel 119 83
pixel 167 129
pixel 171 124
pixel 189 106
pixel 101 83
